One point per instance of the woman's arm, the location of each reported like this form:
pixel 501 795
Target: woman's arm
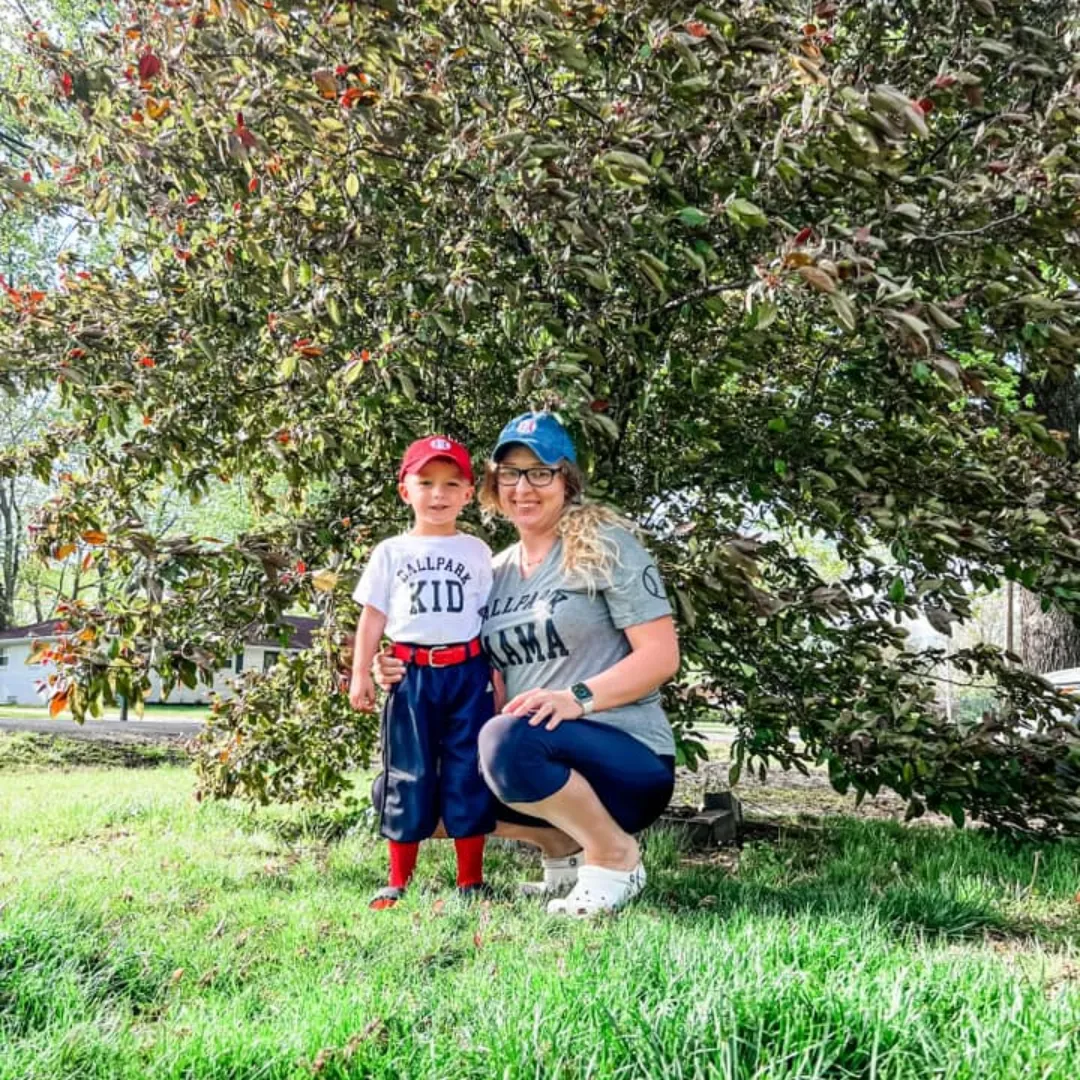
pixel 653 659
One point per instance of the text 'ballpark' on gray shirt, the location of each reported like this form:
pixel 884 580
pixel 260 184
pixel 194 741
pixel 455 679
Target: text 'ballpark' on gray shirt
pixel 546 632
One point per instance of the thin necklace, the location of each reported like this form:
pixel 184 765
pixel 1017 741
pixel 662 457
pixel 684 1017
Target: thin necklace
pixel 527 563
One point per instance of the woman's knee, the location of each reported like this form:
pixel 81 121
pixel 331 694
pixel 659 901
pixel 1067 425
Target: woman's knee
pixel 497 741
pixel 512 759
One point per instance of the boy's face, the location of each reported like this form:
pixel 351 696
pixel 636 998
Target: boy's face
pixel 437 493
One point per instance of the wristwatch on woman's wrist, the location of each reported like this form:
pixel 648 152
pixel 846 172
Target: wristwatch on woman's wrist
pixel 584 697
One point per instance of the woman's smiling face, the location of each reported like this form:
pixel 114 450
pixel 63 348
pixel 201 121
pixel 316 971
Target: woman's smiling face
pixel 531 509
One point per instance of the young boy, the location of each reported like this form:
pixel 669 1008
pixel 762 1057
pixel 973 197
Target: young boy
pixel 425 589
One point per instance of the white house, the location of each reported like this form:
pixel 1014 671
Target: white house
pixel 19 678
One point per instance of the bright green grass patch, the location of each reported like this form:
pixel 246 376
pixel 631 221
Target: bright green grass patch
pixel 145 935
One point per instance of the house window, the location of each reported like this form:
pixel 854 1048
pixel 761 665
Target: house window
pixel 238 663
pixel 270 658
pixel 3 658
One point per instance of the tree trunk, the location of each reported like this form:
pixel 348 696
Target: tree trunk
pixel 10 553
pixel 1050 640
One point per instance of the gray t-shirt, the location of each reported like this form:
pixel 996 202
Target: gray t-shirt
pixel 546 632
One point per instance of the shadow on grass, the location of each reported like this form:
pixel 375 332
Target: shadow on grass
pixel 33 750
pixel 951 884
pixel 66 964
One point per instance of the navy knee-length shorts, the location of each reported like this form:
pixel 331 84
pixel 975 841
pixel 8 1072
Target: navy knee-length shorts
pixel 430 725
pixel 525 764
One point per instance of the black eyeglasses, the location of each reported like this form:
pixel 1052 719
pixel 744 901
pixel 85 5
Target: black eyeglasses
pixel 538 476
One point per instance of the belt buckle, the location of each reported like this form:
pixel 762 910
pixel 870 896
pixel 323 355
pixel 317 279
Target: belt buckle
pixel 432 662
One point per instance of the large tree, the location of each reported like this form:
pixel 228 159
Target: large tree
pixel 773 263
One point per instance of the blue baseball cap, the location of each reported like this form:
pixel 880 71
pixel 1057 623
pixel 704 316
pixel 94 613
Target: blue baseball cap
pixel 541 433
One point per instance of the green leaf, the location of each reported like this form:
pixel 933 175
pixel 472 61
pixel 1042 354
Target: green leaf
pixel 693 217
pixel 745 213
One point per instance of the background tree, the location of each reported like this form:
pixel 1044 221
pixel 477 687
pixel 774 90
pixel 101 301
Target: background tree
pixel 772 264
pixel 1048 635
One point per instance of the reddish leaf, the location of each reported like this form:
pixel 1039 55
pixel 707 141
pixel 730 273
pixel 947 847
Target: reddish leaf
pixel 58 703
pixel 149 66
pixel 803 235
pixel 925 105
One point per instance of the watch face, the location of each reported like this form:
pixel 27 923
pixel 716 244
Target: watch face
pixel 581 691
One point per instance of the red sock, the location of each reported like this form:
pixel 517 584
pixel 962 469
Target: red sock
pixel 402 862
pixel 470 859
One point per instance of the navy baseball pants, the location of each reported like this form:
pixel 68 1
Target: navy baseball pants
pixel 431 768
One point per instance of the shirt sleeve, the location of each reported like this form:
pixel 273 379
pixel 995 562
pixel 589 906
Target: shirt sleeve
pixel 636 593
pixel 484 577
pixel 374 585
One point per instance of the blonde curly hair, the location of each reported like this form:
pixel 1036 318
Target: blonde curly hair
pixel 587 554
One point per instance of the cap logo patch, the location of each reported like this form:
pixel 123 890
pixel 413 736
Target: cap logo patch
pixel 439 444
pixel 526 426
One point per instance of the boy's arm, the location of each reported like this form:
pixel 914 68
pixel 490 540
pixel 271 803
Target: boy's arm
pixel 369 633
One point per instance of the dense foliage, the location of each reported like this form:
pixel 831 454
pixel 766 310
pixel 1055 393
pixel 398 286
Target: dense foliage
pixel 786 269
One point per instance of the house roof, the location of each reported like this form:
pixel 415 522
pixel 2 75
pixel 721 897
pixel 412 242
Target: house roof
pixel 256 635
pixel 45 629
pixel 301 635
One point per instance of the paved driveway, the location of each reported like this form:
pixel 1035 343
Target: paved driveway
pixel 110 730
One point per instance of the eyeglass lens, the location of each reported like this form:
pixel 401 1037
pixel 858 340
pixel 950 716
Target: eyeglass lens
pixel 508 476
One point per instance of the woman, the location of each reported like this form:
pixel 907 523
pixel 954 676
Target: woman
pixel 580 629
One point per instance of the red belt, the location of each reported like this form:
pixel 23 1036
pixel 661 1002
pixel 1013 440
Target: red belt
pixel 437 656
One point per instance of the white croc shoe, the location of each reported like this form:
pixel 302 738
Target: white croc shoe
pixel 599 890
pixel 560 876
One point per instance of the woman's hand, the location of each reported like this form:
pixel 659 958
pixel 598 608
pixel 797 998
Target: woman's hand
pixel 554 706
pixel 387 670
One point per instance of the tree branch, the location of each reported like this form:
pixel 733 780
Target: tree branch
pixel 968 232
pixel 696 294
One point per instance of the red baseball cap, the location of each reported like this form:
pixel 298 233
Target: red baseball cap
pixel 431 448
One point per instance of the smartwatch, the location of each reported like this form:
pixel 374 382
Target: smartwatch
pixel 584 697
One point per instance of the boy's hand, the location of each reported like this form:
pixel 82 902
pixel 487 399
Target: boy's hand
pixel 362 692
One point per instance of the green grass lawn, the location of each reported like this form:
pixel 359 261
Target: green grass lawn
pixel 145 935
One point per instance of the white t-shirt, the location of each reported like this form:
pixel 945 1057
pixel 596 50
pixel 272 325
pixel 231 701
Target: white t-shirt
pixel 430 588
